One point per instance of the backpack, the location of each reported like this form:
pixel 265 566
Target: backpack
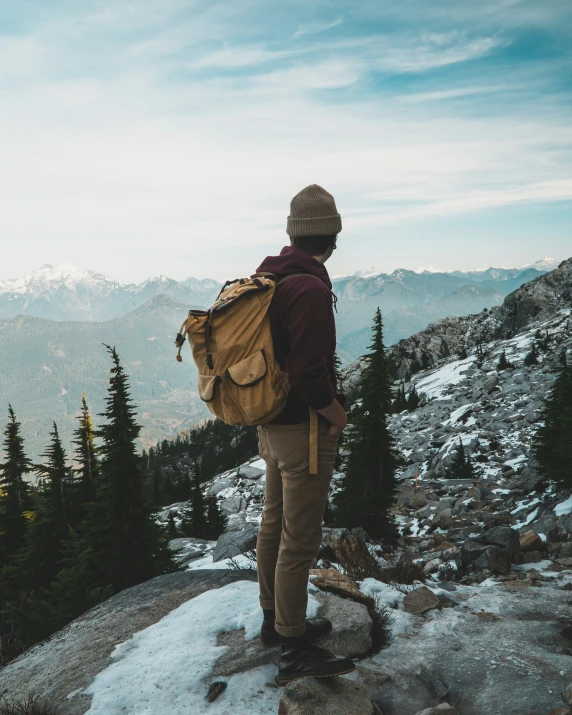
pixel 239 379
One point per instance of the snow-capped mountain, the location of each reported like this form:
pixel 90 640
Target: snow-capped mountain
pixel 66 292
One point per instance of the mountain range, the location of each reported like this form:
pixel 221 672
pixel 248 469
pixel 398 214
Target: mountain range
pixel 52 335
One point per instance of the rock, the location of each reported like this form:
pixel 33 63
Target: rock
pixel 566 549
pixel 441 709
pixel 325 696
pixel 249 472
pixel 530 541
pixel 241 654
pixel 533 557
pixel 340 584
pixel 559 711
pixel 351 634
pixel 432 566
pixel 69 660
pixel 491 382
pixel 234 543
pixel 470 551
pixel 494 559
pixel 567 696
pixel 420 600
pixel 502 536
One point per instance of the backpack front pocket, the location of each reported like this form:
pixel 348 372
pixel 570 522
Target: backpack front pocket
pixel 255 389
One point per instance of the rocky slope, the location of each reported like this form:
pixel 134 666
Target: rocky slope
pixel 483 626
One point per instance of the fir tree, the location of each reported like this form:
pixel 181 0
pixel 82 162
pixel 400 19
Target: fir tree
pixel 461 466
pixel 413 399
pixel 194 522
pixel 425 361
pixel 503 363
pixel 532 357
pixel 553 442
pixel 217 521
pixel 462 354
pixel 400 401
pixel 86 471
pixel 172 531
pixel 15 500
pixel 369 486
pixel 126 544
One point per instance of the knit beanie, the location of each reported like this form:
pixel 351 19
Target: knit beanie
pixel 313 212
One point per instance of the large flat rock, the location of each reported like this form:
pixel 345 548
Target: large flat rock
pixel 70 659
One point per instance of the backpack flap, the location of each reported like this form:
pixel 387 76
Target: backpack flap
pixel 249 371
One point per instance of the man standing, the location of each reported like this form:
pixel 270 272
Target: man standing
pixel 304 336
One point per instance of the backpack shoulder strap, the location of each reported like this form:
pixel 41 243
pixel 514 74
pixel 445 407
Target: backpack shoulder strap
pixel 295 275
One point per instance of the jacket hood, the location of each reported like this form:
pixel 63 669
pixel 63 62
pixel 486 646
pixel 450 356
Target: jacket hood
pixel 293 260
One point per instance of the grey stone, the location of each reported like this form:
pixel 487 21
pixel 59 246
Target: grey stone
pixel 502 536
pixel 249 472
pixel 441 709
pixel 69 660
pixel 420 600
pixel 494 559
pixel 566 549
pixel 241 654
pixel 233 543
pixel 325 696
pixel 351 634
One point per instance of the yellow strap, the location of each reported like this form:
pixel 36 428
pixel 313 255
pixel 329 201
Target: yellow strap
pixel 313 441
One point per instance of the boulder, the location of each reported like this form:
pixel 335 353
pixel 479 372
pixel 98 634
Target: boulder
pixel 441 709
pixel 533 557
pixel 567 696
pixel 530 541
pixel 494 559
pixel 503 536
pixel 566 549
pixel 351 635
pixel 432 566
pixel 470 551
pixel 67 661
pixel 420 600
pixel 340 584
pixel 233 543
pixel 325 696
pixel 559 711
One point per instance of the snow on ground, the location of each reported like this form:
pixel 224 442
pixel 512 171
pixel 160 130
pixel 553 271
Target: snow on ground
pixel 436 382
pixel 165 668
pixel 564 507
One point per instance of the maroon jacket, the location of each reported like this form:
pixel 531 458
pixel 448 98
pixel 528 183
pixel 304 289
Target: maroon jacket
pixel 303 332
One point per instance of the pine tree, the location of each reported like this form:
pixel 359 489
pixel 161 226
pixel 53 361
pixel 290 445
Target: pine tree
pixel 15 500
pixel 172 531
pixel 425 361
pixel 86 471
pixel 553 442
pixel 38 561
pixel 461 465
pixel 503 363
pixel 369 486
pixel 127 545
pixel 194 522
pixel 532 357
pixel 217 521
pixel 413 399
pixel 400 401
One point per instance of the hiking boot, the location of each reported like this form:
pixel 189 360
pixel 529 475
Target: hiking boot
pixel 315 628
pixel 302 658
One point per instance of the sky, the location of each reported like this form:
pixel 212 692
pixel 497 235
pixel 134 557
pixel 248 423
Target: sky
pixel 168 136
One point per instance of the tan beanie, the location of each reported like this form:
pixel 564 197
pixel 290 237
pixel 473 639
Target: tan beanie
pixel 313 212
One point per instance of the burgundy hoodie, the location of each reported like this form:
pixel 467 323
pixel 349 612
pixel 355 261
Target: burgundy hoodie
pixel 303 332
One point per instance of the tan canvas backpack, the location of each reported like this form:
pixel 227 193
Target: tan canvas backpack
pixel 239 378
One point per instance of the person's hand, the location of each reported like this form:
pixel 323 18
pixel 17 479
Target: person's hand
pixel 336 416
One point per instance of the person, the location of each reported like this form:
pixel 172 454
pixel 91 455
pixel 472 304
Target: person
pixel 304 336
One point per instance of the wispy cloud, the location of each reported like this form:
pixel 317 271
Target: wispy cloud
pixel 316 27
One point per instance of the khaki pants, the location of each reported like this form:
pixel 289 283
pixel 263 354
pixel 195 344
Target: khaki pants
pixel 291 528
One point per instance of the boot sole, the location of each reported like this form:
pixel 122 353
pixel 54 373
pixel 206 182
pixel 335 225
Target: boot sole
pixel 285 679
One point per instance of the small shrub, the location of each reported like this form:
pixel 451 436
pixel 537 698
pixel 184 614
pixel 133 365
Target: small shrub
pixel 30 705
pixel 356 560
pixel 381 616
pixel 403 571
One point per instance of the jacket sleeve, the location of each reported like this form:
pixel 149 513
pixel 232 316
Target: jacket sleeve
pixel 310 343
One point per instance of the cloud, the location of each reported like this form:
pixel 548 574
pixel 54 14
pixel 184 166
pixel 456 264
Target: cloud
pixel 317 27
pixel 184 134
